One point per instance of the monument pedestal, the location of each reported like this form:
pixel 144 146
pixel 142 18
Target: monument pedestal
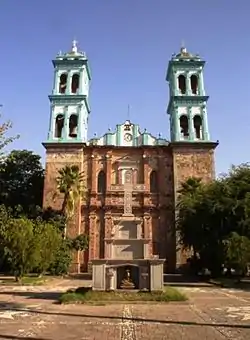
pixel 127 263
pixel 106 274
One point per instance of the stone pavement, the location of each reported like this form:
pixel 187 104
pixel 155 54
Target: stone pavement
pixel 210 313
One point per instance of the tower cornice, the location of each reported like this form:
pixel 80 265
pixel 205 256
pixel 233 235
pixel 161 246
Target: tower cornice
pixel 187 64
pixel 67 100
pixel 73 62
pixel 187 100
pixel 193 144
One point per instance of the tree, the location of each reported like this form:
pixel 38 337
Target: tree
pixel 21 178
pixel 237 250
pixel 49 240
pixel 4 139
pixel 70 184
pixel 209 213
pixel 21 249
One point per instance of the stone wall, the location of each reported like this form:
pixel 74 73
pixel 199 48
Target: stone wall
pixel 57 156
pixel 173 164
pixel 191 160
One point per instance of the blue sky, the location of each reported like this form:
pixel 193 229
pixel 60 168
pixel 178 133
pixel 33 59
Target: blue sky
pixel 129 44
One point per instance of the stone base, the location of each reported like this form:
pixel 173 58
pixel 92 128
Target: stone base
pixel 106 274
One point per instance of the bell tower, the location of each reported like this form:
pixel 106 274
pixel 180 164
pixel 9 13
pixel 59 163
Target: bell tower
pixel 69 107
pixel 187 106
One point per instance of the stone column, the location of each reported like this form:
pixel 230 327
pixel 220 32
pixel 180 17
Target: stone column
pixel 80 89
pixel 111 279
pixel 146 169
pixel 205 132
pixel 147 220
pixel 108 235
pixel 66 124
pixel 108 170
pixel 56 82
pixel 92 236
pixel 69 80
pixel 191 125
pixel 188 84
pixel 52 122
pixel 94 175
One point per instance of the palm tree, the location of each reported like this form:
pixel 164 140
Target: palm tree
pixel 190 186
pixel 70 184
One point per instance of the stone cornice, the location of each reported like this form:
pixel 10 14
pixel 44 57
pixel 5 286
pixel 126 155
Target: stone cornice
pixel 69 100
pixel 63 145
pixel 193 145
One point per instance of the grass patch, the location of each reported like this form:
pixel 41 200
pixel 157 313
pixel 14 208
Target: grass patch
pixel 87 295
pixel 29 280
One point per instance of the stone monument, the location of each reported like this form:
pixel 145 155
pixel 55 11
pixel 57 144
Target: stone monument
pixel 127 264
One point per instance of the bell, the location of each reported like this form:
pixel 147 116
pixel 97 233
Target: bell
pixel 73 132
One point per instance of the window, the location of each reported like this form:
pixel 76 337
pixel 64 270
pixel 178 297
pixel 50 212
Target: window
pixel 153 182
pixel 101 184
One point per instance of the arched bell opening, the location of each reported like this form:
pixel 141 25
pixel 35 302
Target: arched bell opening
pixel 197 127
pixel 63 83
pixel 184 127
pixel 73 121
pixel 75 83
pixel 59 124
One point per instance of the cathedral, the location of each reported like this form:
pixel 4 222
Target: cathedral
pixel 156 166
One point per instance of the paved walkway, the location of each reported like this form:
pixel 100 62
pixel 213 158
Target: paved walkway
pixel 210 313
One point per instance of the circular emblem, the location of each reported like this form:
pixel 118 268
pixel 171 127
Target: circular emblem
pixel 127 137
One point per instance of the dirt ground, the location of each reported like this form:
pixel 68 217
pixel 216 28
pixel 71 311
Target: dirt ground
pixel 31 312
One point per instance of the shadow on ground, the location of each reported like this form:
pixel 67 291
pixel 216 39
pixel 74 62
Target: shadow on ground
pixel 135 319
pixel 54 296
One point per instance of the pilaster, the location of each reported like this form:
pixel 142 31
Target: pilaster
pixel 146 169
pixel 92 236
pixel 190 124
pixel 66 123
pixel 108 170
pixel 147 222
pixel 205 131
pixel 69 80
pixel 93 173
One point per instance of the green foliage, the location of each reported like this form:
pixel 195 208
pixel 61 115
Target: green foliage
pixel 29 245
pixel 209 213
pixel 20 246
pixel 49 241
pixel 87 295
pixel 80 242
pixel 70 184
pixel 21 177
pixel 237 252
pixel 4 139
pixel 62 260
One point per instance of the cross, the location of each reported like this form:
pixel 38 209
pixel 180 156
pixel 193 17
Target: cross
pixel 128 189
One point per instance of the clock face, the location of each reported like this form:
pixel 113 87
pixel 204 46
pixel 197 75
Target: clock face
pixel 127 137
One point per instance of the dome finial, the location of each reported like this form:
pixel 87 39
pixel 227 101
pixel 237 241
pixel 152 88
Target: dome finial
pixel 74 46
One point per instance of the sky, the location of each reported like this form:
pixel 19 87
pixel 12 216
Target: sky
pixel 129 44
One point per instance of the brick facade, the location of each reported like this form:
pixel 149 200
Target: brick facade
pixel 173 164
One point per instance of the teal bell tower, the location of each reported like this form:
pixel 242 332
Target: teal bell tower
pixel 69 107
pixel 187 106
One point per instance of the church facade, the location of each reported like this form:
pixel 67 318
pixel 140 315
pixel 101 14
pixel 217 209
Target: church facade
pixel 157 166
